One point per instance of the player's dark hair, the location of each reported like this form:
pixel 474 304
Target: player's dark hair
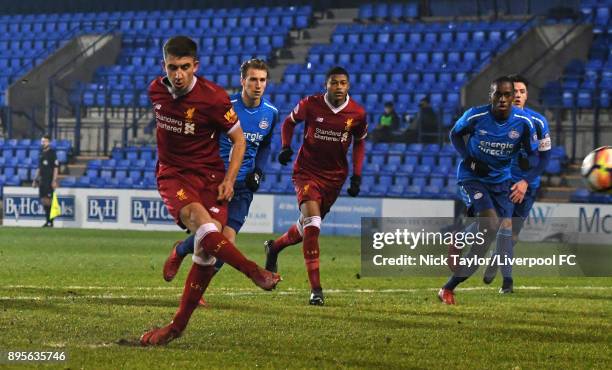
pixel 520 79
pixel 337 70
pixel 499 81
pixel 255 64
pixel 180 46
pixel 46 136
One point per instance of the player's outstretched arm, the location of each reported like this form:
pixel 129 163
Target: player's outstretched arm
pixel 226 189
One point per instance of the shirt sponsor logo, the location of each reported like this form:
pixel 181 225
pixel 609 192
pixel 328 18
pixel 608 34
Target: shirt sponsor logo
pixel 252 137
pixel 513 134
pixel 263 124
pixel 150 211
pixel 102 209
pixel 495 148
pixel 327 134
pixel 28 207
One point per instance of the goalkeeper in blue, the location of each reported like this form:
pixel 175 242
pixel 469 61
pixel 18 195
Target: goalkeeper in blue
pixel 257 118
pixel 488 137
pixel 525 184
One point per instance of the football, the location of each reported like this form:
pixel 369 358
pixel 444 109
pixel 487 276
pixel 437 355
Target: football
pixel 597 169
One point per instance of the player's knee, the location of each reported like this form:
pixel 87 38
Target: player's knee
pixel 200 256
pixel 506 224
pixel 194 215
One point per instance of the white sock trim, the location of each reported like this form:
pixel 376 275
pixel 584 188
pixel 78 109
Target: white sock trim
pixel 199 256
pixel 312 221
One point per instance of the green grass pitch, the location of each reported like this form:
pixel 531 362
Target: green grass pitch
pixel 82 291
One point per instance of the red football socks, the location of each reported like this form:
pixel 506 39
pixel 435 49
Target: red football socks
pixel 291 237
pixel 311 255
pixel 197 281
pixel 214 243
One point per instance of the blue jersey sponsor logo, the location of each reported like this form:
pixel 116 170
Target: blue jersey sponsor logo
pixel 102 209
pixel 29 207
pixel 150 211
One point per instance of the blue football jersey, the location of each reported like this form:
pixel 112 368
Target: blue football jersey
pixel 258 124
pixel 493 142
pixel 544 143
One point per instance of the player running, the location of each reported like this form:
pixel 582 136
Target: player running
pixel 525 183
pixel 257 118
pixel 332 121
pixel 495 133
pixel 191 112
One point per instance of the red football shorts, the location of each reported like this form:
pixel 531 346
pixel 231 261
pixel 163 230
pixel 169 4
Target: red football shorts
pixel 307 187
pixel 180 187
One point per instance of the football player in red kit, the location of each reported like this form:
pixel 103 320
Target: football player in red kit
pixel 332 122
pixel 191 112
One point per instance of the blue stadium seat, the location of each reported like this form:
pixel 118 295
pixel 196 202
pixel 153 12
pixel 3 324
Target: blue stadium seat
pixel 385 180
pixel 553 167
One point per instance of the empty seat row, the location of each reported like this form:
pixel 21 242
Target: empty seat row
pixel 446 37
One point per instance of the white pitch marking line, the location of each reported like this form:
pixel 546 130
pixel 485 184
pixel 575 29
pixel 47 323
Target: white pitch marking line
pixel 287 292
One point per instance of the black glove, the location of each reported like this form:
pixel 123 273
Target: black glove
pixel 353 190
pixel 253 180
pixel 284 156
pixel 478 167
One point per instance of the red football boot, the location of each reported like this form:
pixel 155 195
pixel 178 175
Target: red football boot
pixel 202 303
pixel 172 264
pixel 446 296
pixel 264 279
pixel 160 336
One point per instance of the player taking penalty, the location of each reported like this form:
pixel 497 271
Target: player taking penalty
pixel 258 117
pixel 191 112
pixel 332 122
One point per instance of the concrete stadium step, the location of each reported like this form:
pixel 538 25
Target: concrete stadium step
pixel 320 32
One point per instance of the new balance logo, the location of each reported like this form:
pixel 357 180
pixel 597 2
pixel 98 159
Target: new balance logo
pixel 214 210
pixel 319 119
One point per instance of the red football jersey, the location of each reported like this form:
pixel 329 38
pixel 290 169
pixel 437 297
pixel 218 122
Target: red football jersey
pixel 328 134
pixel 188 126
